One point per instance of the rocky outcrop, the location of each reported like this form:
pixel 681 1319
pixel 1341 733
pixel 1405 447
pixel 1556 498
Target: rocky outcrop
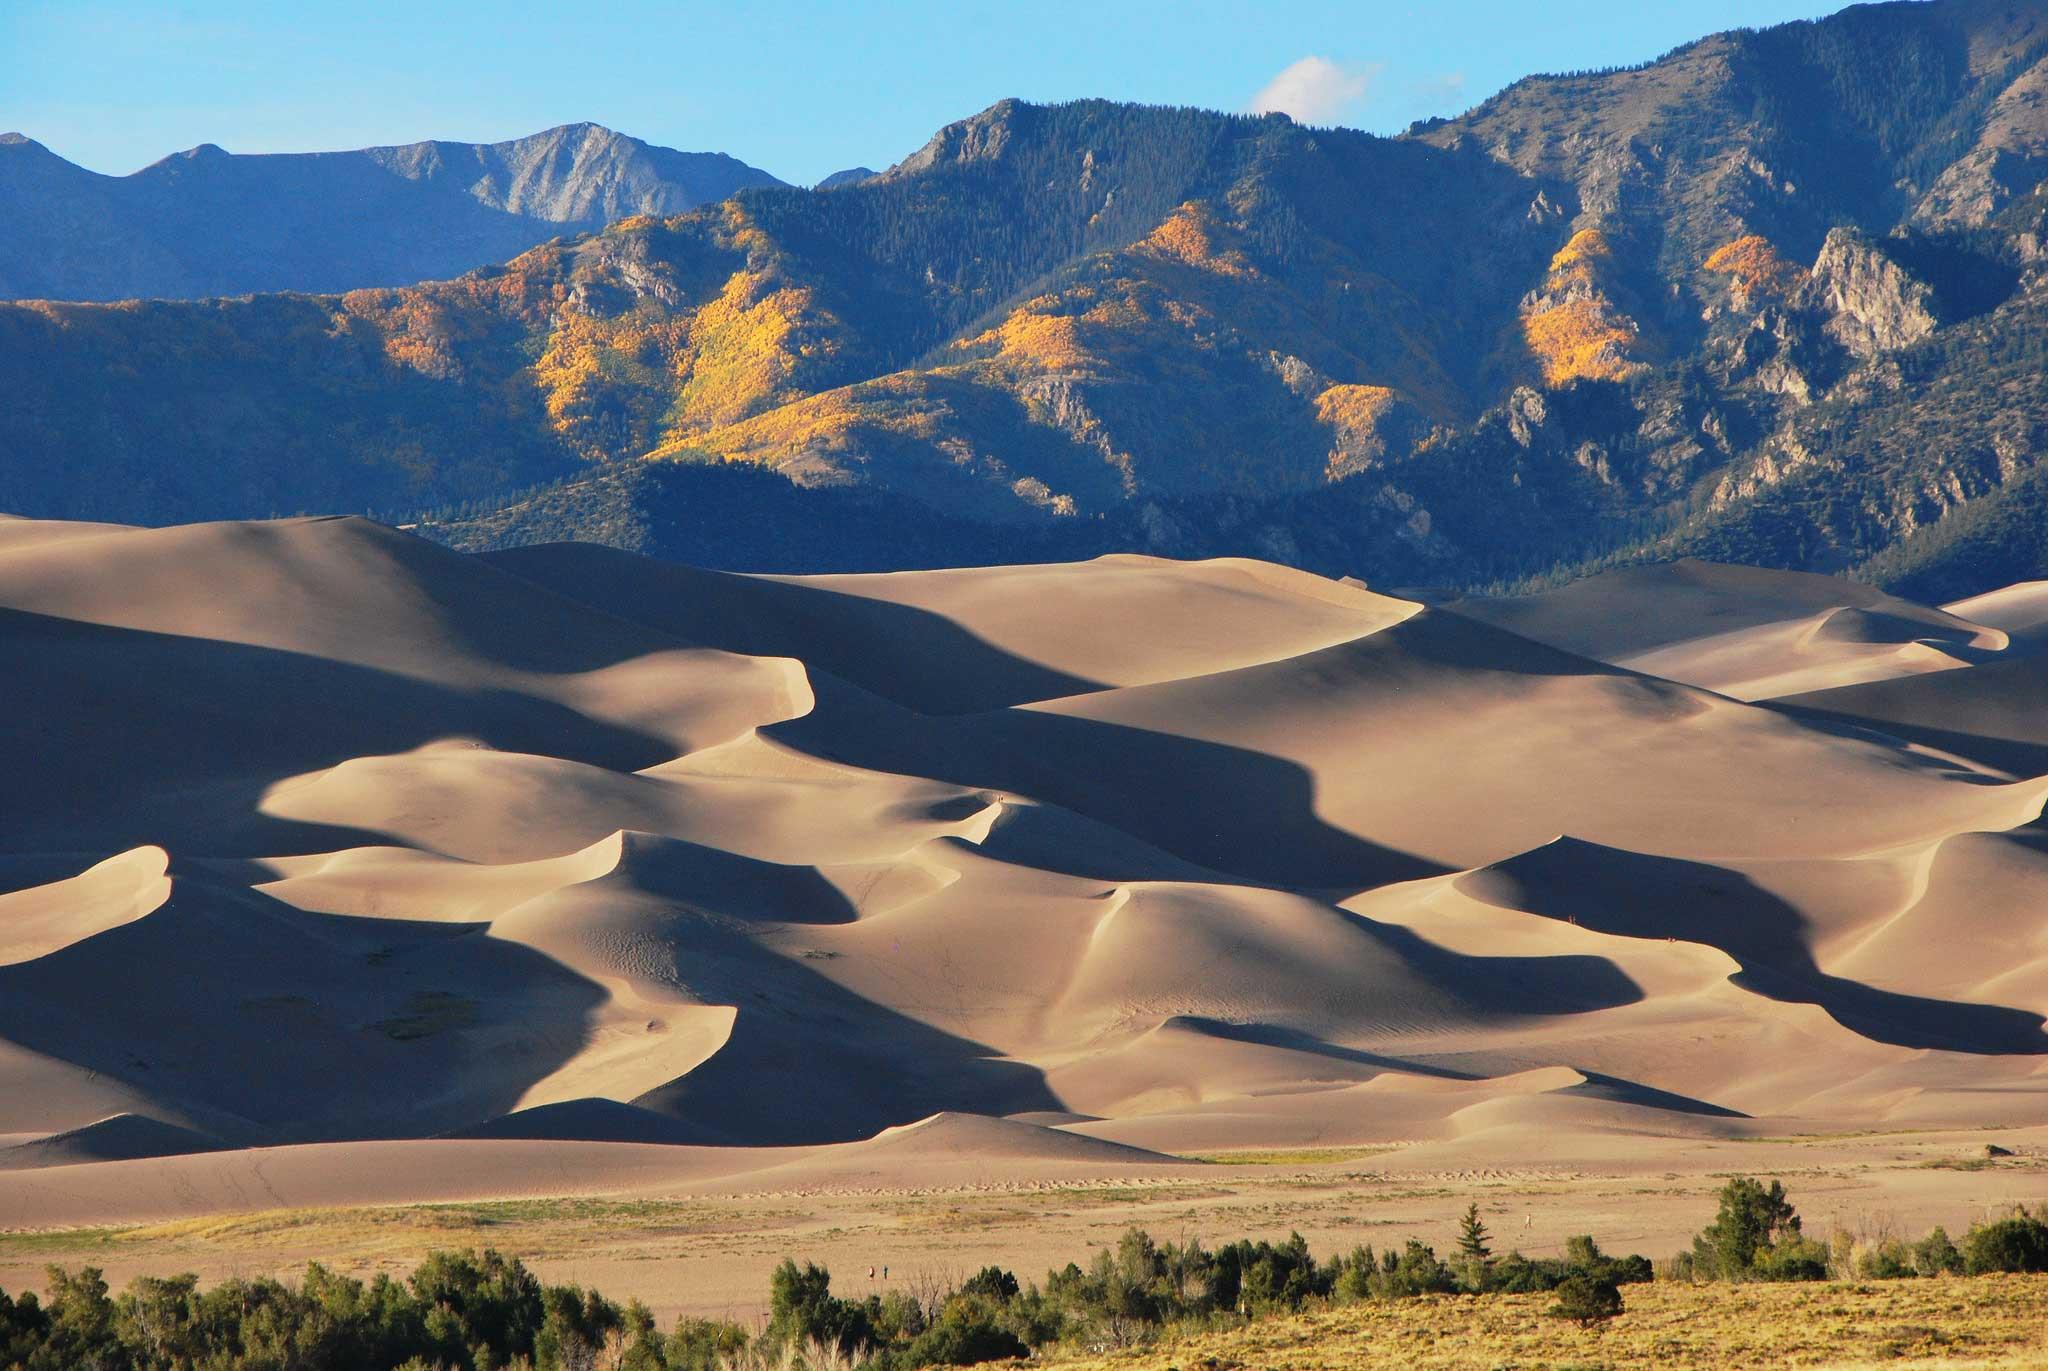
pixel 980 138
pixel 583 174
pixel 1870 302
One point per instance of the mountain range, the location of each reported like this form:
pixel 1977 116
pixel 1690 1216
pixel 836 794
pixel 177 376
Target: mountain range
pixel 1777 297
pixel 208 222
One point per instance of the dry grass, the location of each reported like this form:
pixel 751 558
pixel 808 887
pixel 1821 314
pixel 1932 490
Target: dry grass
pixel 1996 1321
pixel 1303 1156
pixel 395 1232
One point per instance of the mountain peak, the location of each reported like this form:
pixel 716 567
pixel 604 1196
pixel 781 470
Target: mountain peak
pixel 850 176
pixel 12 139
pixel 977 138
pixel 581 128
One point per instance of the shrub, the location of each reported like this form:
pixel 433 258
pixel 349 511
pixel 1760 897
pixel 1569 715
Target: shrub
pixel 1791 1258
pixel 1583 1255
pixel 1416 1271
pixel 1260 1277
pixel 1887 1259
pixel 1516 1274
pixel 1755 1236
pixel 23 1328
pixel 964 1335
pixel 702 1344
pixel 2019 1243
pixel 1679 1267
pixel 1587 1300
pixel 1352 1281
pixel 801 1308
pixel 992 1283
pixel 1935 1255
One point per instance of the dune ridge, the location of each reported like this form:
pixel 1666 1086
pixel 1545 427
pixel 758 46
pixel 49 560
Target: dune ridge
pixel 659 877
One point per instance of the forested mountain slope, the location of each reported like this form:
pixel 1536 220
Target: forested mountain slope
pixel 1777 297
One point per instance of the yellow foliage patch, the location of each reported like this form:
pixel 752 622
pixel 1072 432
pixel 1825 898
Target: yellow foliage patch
pixel 824 421
pixel 1579 256
pixel 1756 267
pixel 1355 407
pixel 1580 339
pixel 1036 340
pixel 430 328
pixel 1190 235
pixel 1355 412
pixel 1574 330
pixel 604 374
pixel 744 348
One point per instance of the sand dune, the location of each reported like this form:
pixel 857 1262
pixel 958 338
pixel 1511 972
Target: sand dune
pixel 42 919
pixel 119 1137
pixel 394 874
pixel 1996 714
pixel 2019 611
pixel 1745 632
pixel 1448 744
pixel 952 642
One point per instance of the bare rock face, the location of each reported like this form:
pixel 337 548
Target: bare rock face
pixel 581 174
pixel 980 138
pixel 1526 413
pixel 1975 189
pixel 1873 305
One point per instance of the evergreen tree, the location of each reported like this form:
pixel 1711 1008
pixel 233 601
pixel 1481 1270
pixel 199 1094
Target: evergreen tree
pixel 1472 1237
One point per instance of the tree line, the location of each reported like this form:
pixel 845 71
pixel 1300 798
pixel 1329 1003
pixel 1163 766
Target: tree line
pixel 470 1311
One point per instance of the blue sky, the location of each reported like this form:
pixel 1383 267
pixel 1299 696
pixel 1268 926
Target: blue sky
pixel 800 89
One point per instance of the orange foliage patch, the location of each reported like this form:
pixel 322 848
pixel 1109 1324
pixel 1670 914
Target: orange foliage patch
pixel 1355 412
pixel 1573 328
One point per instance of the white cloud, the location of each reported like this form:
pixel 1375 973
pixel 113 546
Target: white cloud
pixel 1315 90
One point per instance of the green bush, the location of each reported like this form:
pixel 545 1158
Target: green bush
pixel 702 1345
pixel 1587 1300
pixel 965 1334
pixel 2019 1243
pixel 802 1308
pixel 993 1283
pixel 1889 1259
pixel 1935 1255
pixel 1791 1258
pixel 1416 1271
pixel 1756 1236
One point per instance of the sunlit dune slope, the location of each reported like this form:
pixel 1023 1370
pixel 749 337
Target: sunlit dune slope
pixel 425 866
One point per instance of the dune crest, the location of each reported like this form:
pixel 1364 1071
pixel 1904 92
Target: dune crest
pixel 43 919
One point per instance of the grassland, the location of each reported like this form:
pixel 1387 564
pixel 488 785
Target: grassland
pixel 1987 1321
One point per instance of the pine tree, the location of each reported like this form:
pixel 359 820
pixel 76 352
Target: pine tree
pixel 1472 1238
